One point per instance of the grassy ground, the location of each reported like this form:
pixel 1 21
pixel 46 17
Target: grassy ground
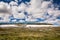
pixel 30 33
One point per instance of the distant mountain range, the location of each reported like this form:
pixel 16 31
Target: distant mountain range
pixel 32 23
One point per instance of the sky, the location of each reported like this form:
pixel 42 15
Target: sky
pixel 42 11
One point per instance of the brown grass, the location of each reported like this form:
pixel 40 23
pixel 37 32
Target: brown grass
pixel 42 33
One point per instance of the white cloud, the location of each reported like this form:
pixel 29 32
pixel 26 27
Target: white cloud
pixel 4 12
pixel 18 11
pixel 22 7
pixel 12 3
pixel 45 4
pixel 35 9
pixel 39 8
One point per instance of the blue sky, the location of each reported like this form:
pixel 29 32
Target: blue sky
pixel 55 3
pixel 8 1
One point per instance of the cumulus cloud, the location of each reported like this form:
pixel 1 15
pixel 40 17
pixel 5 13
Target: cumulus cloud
pixel 37 10
pixel 4 12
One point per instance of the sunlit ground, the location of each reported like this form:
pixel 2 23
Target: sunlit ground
pixel 30 33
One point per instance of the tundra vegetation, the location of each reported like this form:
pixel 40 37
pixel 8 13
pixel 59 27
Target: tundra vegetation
pixel 19 33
